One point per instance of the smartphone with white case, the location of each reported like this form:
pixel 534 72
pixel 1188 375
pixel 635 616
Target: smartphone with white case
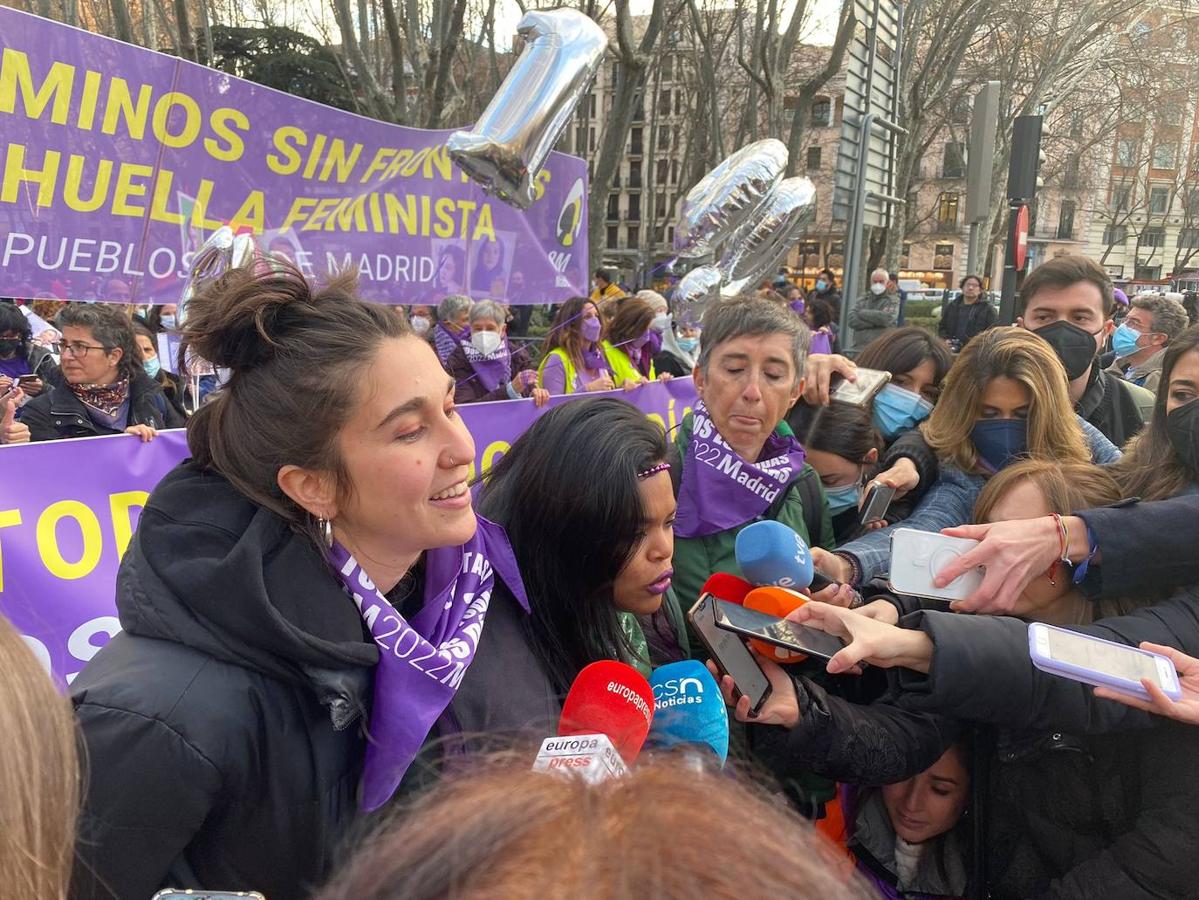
pixel 917 557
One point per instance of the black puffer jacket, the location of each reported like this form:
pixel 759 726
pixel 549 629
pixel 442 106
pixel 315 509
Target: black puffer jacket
pixel 1102 817
pixel 223 728
pixel 57 413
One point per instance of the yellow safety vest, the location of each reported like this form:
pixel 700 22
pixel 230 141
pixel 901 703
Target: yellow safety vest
pixel 568 367
pixel 622 367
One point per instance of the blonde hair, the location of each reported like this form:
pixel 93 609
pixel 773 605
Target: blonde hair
pixel 39 775
pixel 500 830
pixel 1053 431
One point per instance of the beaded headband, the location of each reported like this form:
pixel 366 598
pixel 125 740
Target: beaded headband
pixel 653 470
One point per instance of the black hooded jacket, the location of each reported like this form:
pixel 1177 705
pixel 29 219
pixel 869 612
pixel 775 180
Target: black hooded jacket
pixel 224 726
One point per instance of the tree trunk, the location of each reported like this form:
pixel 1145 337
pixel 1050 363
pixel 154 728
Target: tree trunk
pixel 446 49
pixel 122 22
pixel 399 80
pixel 187 43
pixel 375 102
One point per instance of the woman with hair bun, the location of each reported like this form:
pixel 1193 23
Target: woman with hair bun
pixel 302 604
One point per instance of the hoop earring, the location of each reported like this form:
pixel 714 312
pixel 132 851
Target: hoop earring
pixel 326 529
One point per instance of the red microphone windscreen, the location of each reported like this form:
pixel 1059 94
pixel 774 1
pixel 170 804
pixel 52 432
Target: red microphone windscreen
pixel 730 588
pixel 611 698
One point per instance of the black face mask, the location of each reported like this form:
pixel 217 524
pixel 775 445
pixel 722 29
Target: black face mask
pixel 10 347
pixel 1074 346
pixel 1182 426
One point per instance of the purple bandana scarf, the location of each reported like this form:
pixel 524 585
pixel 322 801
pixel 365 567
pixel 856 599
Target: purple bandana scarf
pixel 594 359
pixel 446 342
pixel 422 662
pixel 720 489
pixel 491 370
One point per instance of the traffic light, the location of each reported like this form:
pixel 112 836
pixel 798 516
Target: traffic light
pixel 1025 164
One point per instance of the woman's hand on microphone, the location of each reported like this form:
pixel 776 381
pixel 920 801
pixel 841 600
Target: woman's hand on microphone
pixel 780 708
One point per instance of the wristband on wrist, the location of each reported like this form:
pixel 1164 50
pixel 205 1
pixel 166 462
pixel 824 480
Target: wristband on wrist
pixel 1092 549
pixel 1063 534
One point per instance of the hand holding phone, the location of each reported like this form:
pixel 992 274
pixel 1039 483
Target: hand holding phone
pixel 917 557
pixel 876 503
pixel 730 654
pixel 750 623
pixel 1092 660
pixel 860 392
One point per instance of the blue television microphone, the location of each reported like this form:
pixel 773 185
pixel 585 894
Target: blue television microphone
pixel 770 552
pixel 689 712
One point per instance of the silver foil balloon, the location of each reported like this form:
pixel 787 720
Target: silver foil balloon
pixel 510 142
pixel 209 262
pixel 728 196
pixel 695 291
pixel 762 242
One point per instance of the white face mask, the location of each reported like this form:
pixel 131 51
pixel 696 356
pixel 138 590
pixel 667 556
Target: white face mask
pixel 660 323
pixel 486 342
pixel 420 324
pixel 876 288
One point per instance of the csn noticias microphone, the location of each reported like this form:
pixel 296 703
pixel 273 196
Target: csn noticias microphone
pixel 605 719
pixel 689 713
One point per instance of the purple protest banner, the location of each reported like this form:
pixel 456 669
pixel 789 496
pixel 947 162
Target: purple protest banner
pixel 118 162
pixel 69 508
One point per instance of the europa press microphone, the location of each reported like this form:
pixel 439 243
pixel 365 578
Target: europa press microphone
pixel 689 713
pixel 776 559
pixel 605 719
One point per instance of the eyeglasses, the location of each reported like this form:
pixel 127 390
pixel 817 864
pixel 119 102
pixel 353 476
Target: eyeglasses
pixel 78 349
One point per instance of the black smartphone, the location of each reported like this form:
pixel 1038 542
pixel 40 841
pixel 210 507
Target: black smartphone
pixel 877 502
pixel 789 635
pixel 729 653
pixel 198 894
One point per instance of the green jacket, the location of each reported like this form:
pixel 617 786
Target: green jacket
pixel 695 559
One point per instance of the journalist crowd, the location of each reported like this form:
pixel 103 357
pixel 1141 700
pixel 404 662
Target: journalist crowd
pixel 341 648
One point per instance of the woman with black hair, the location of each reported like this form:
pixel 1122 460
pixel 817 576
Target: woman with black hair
pixel 590 549
pixel 20 356
pixel 843 447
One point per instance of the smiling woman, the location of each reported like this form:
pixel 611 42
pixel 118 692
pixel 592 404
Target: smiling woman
pixel 319 545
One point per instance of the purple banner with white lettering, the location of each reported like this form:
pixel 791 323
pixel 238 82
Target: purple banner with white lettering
pixel 69 508
pixel 118 162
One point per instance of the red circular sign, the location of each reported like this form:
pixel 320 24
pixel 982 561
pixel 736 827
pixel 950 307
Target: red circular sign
pixel 1020 237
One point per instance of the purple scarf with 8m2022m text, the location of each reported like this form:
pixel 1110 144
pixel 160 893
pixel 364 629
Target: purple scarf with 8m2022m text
pixel 720 489
pixel 422 662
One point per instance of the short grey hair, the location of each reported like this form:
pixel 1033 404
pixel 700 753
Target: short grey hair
pixel 110 328
pixel 488 309
pixel 726 320
pixel 451 306
pixel 654 299
pixel 1169 316
pixel 880 271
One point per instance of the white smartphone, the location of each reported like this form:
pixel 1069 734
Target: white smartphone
pixel 917 557
pixel 1092 660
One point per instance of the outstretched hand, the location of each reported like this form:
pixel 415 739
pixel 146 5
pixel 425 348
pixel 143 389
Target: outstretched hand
pixel 1185 709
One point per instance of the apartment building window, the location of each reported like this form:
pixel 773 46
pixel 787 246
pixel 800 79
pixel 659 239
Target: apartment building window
pixel 1148 273
pixel 959 110
pixel 634 237
pixel 1165 155
pixel 809 254
pixel 1115 235
pixel 822 112
pixel 662 171
pixel 613 206
pixel 660 206
pixel 836 255
pixel 813 159
pixel 943 257
pixel 635 141
pixel 612 232
pixel 635 173
pixel 634 208
pixel 1154 236
pixel 581 140
pixel 664 103
pixel 665 133
pixel 1159 200
pixel 953 160
pixel 1188 238
pixel 1126 152
pixel 667 68
pixel 947 211
pixel 905 256
pixel 1121 197
pixel 1070 177
pixel 1065 221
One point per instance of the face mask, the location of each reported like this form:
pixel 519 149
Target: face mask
pixel 1182 426
pixel 843 498
pixel 638 342
pixel 420 324
pixel 660 323
pixel 877 288
pixel 486 342
pixel 152 366
pixel 821 285
pixel 688 345
pixel 1074 346
pixel 590 329
pixel 168 322
pixel 9 347
pixel 897 410
pixel 1124 341
pixel 1000 441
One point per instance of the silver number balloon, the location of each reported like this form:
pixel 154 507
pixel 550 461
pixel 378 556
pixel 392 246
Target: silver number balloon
pixel 695 291
pixel 513 137
pixel 728 196
pixel 764 240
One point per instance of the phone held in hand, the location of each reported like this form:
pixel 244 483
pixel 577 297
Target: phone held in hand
pixel 917 557
pixel 862 391
pixel 729 653
pixel 1092 660
pixel 791 636
pixel 876 503
pixel 24 380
